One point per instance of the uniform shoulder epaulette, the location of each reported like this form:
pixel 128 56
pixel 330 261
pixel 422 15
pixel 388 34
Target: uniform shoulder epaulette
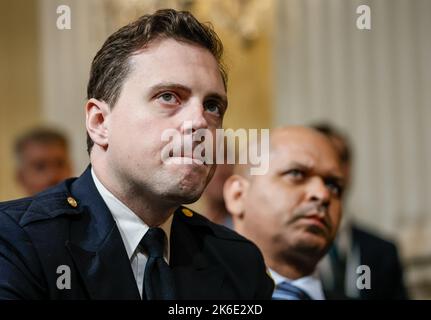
pixel 193 218
pixel 46 205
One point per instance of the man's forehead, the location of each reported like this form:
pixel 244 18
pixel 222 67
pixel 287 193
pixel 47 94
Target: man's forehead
pixel 43 146
pixel 308 150
pixel 167 60
pixel 291 151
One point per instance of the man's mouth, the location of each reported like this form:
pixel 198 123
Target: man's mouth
pixel 188 160
pixel 317 219
pixel 184 158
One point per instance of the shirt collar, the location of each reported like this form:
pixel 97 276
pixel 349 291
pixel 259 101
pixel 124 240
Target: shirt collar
pixel 310 284
pixel 132 228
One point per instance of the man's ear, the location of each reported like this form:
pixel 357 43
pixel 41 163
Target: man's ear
pixel 96 115
pixel 234 192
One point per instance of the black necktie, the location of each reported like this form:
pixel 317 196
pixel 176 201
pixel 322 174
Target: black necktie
pixel 158 278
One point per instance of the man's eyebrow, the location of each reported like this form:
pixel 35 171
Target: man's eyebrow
pixel 170 86
pixel 336 178
pixel 299 165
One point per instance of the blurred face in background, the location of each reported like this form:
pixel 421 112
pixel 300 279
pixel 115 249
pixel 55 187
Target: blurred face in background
pixel 42 165
pixel 294 209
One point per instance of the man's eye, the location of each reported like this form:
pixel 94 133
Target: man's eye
pixel 168 98
pixel 334 187
pixel 213 107
pixel 296 174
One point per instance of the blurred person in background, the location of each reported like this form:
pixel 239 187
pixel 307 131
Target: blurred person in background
pixel 42 159
pixel 215 207
pixel 355 246
pixel 293 211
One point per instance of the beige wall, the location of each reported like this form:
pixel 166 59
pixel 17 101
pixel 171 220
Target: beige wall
pixel 19 85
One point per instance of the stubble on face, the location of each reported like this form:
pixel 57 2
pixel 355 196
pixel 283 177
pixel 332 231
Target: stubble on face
pixel 189 73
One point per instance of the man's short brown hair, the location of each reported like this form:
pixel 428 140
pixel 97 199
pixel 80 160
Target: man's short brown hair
pixel 111 66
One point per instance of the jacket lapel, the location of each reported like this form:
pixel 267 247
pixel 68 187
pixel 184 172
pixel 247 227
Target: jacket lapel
pixel 97 248
pixel 98 252
pixel 193 273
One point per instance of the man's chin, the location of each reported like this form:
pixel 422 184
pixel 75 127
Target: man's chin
pixel 313 243
pixel 184 197
pixel 189 190
pixel 190 183
pixel 191 199
pixel 190 173
pixel 185 162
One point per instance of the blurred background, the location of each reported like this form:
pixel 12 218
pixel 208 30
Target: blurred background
pixel 289 62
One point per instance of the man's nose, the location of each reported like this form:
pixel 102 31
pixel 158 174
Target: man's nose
pixel 195 118
pixel 318 192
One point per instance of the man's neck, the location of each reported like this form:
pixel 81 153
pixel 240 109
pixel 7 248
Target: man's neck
pixel 216 211
pixel 148 209
pixel 292 268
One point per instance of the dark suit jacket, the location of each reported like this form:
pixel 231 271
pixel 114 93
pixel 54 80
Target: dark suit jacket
pixel 385 266
pixel 39 234
pixel 386 270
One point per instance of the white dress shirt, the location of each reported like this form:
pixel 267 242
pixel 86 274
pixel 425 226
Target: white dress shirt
pixel 310 284
pixel 132 230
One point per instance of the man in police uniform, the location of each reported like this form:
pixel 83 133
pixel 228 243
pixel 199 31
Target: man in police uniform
pixel 118 231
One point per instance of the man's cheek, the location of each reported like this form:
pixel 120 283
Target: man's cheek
pixel 336 217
